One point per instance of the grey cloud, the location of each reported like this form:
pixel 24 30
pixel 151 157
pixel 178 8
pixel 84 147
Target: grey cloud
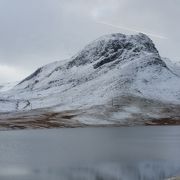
pixel 36 32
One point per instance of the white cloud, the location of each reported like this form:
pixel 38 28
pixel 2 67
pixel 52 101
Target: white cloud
pixel 9 73
pixel 103 9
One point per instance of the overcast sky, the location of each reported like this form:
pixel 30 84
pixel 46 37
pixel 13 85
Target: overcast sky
pixel 36 32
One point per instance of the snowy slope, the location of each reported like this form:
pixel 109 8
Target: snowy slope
pixel 109 67
pixel 7 86
pixel 173 66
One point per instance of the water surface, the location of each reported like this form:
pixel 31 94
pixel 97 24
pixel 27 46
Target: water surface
pixel 90 153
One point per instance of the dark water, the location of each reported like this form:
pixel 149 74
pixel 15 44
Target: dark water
pixel 145 153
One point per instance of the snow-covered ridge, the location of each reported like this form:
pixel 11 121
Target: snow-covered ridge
pixel 173 66
pixel 109 67
pixel 111 47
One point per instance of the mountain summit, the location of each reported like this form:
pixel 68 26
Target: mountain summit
pixel 112 47
pixel 106 53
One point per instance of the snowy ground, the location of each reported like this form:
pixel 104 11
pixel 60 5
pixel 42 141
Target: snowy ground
pixel 123 111
pixel 7 86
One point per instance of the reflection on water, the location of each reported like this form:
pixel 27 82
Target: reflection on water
pixel 143 170
pixel 108 171
pixel 138 153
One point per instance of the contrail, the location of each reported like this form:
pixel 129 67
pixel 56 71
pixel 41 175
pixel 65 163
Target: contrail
pixel 134 30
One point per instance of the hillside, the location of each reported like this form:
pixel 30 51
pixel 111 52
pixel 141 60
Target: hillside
pixel 107 69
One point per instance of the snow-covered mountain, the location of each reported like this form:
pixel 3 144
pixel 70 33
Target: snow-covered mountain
pixel 112 66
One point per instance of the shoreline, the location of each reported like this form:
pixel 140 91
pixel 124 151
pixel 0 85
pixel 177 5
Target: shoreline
pixel 67 123
pixel 48 119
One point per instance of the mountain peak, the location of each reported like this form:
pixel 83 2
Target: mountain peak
pixel 114 46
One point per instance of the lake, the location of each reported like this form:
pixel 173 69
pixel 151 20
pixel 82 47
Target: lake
pixel 129 153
